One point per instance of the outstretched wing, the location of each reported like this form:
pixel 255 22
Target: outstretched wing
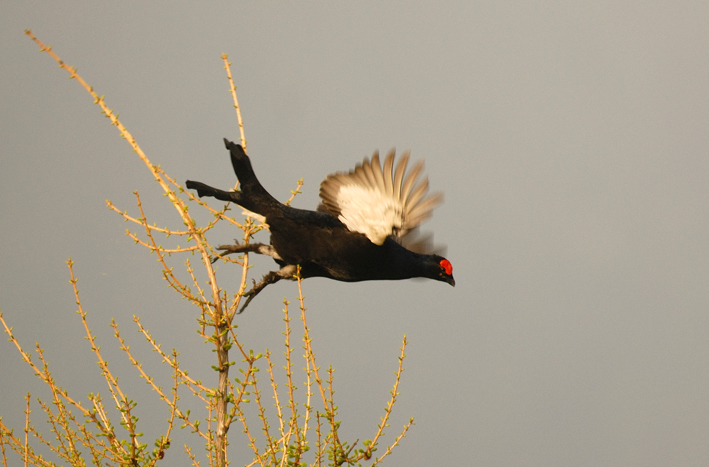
pixel 380 203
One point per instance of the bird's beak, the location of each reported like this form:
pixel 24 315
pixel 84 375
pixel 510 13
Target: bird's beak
pixel 450 280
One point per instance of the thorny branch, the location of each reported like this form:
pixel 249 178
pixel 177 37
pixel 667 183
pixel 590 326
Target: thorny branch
pixel 225 403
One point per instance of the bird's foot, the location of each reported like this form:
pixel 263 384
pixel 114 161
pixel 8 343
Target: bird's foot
pixel 260 248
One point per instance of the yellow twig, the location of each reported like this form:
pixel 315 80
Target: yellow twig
pixel 227 67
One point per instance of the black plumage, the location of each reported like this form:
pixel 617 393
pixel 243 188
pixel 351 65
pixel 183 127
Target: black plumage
pixel 360 232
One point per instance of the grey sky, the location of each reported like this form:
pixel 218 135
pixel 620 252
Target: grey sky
pixel 570 140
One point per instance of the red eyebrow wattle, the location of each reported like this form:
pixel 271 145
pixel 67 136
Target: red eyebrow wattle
pixel 447 266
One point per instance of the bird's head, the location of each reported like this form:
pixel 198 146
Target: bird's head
pixel 440 269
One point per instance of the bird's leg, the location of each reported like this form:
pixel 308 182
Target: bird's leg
pixel 260 248
pixel 286 272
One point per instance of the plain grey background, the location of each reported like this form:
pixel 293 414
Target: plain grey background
pixel 570 140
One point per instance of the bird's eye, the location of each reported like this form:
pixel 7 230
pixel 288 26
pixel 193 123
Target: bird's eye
pixel 447 266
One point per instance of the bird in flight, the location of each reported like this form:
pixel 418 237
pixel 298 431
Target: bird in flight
pixel 365 228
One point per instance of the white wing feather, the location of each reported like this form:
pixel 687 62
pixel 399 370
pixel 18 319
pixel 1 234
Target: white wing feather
pixel 380 203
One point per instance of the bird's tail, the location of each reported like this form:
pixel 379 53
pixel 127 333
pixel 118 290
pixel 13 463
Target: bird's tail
pixel 206 190
pixel 242 167
pixel 252 195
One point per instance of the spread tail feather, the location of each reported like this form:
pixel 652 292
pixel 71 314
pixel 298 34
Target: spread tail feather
pixel 252 196
pixel 206 190
pixel 242 166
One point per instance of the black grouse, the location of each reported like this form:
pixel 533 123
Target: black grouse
pixel 361 231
